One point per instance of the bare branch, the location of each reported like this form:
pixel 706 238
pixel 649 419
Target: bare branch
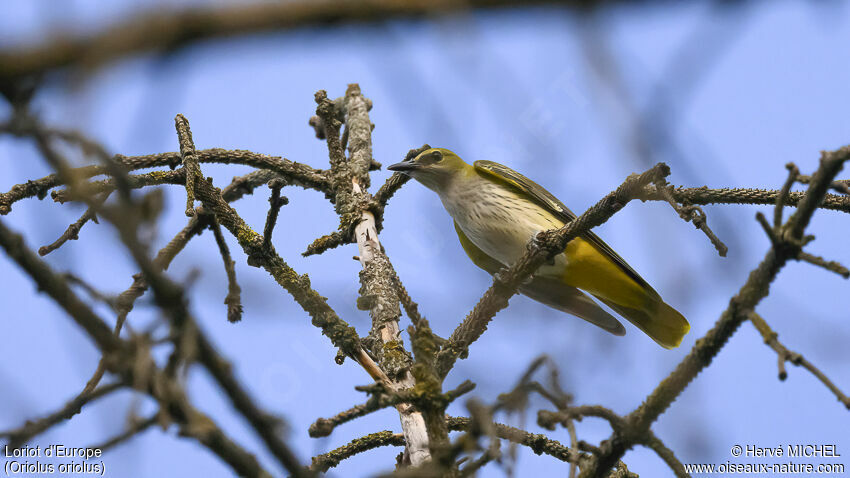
pixel 31 428
pixel 327 242
pixel 275 203
pixel 350 178
pixel 782 198
pixel 267 426
pixel 666 454
pixel 58 289
pixel 380 398
pixel 295 173
pixel 740 306
pixel 73 231
pixel 176 28
pixel 132 181
pixel 190 161
pixel 784 355
pixel 693 214
pixel 818 261
pixel 704 196
pixel 333 458
pixel 414 387
pixel 386 191
pixel 538 443
pixel 393 184
pixel 193 422
pixel 135 428
pixel 232 299
pixel 839 185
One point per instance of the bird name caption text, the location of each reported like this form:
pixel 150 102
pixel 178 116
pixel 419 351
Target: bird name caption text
pixel 51 459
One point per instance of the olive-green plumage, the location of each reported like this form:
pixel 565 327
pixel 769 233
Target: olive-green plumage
pixel 496 212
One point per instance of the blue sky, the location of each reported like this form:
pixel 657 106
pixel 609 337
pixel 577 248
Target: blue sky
pixel 764 85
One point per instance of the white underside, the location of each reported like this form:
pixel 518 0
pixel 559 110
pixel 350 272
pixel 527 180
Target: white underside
pixel 499 221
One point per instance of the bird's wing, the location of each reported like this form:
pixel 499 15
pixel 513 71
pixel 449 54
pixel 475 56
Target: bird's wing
pixel 549 202
pixel 549 291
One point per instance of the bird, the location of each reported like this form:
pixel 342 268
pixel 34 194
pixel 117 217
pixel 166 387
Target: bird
pixel 496 211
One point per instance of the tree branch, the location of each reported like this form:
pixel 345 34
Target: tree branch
pixel 176 28
pixel 740 306
pixel 350 178
pixel 705 196
pixel 127 362
pixel 539 444
pixel 295 173
pixel 784 355
pixel 232 299
pixel 333 458
pixel 30 429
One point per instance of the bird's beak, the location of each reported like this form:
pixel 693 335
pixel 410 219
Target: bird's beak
pixel 404 166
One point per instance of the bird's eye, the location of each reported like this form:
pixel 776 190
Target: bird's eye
pixel 436 156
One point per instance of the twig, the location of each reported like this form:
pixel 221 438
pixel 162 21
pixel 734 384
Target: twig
pixel 72 233
pixel 167 391
pixel 163 384
pixel 341 334
pixel 232 299
pixel 547 419
pixel 839 185
pixel 169 297
pixel 131 181
pixel 389 188
pixel 275 203
pixel 380 398
pixel 190 162
pixel 264 424
pixel 295 173
pixel 784 355
pixel 740 306
pixel 818 261
pixel 333 458
pixel 571 430
pixel 665 453
pixel 793 172
pixel 20 436
pixel 167 32
pixel 796 251
pixel 89 289
pixel 376 206
pixel 703 196
pixel 538 443
pixel 411 308
pixel 692 214
pixel 136 428
pixel 58 289
pixel 235 190
pixel 327 242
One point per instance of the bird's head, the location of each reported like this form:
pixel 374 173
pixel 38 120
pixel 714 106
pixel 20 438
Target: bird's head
pixel 435 168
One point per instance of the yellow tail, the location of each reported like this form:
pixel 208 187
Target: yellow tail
pixel 662 323
pixel 606 276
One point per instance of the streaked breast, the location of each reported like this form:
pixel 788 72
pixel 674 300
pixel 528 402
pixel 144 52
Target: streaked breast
pixel 497 219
